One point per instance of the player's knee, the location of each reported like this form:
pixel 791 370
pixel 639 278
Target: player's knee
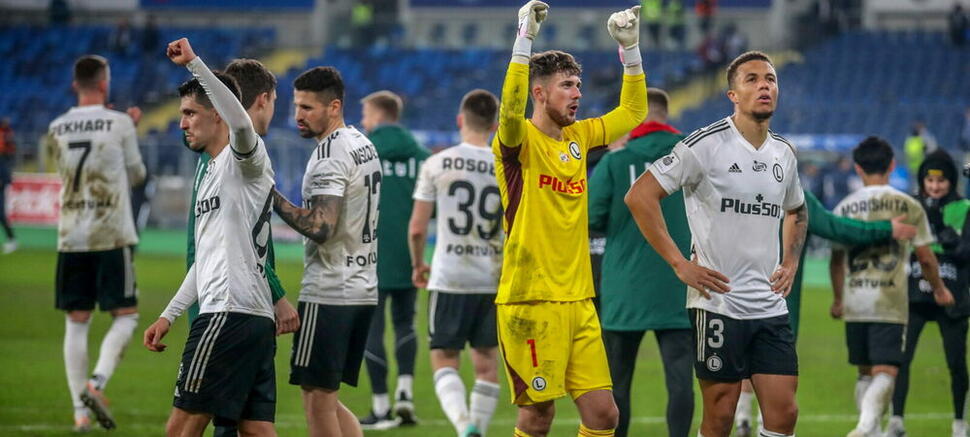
pixel 79 316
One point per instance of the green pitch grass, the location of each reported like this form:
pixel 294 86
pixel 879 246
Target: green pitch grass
pixel 34 397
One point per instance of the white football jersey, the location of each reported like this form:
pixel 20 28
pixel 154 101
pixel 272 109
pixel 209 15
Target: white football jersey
pixel 93 146
pixel 468 252
pixel 735 197
pixel 232 220
pixel 876 289
pixel 343 270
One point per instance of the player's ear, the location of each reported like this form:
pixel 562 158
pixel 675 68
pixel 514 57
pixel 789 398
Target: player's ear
pixel 892 166
pixel 538 94
pixel 459 120
pixel 335 105
pixel 732 96
pixel 858 170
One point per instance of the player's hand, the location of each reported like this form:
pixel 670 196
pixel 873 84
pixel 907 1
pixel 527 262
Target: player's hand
pixel 180 51
pixel 836 310
pixel 530 17
pixel 943 297
pixel 287 318
pixel 624 27
pixel 155 333
pixel 782 279
pixel 902 231
pixel 419 275
pixel 135 113
pixel 701 278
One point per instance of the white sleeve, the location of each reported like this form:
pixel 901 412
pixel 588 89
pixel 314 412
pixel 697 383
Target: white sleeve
pixel 242 136
pixel 133 162
pixel 186 296
pixel 425 188
pixel 329 176
pixel 794 195
pixel 681 168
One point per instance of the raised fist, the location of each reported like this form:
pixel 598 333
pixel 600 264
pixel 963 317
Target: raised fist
pixel 530 17
pixel 180 51
pixel 624 27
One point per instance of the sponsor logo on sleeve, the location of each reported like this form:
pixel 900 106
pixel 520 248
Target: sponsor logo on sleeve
pixel 666 163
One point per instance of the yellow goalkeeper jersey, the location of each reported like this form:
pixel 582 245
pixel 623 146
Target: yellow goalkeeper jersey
pixel 543 185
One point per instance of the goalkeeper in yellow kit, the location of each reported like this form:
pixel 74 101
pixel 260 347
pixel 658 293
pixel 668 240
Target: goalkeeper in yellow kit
pixel 548 329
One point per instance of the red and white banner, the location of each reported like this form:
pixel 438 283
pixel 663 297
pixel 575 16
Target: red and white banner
pixel 34 198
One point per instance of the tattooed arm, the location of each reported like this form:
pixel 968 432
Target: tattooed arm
pixel 318 222
pixel 794 231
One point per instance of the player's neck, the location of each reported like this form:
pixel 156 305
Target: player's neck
pixel 90 99
pixel 334 125
pixel 875 179
pixel 474 138
pixel 546 125
pixel 754 131
pixel 215 149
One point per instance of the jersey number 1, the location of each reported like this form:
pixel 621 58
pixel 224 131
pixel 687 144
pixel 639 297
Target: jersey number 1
pixel 86 145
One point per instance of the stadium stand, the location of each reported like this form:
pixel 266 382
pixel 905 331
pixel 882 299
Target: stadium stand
pixel 869 83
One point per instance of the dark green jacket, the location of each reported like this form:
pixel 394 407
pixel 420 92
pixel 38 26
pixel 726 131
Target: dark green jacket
pixel 844 230
pixel 274 282
pixel 639 290
pixel 401 156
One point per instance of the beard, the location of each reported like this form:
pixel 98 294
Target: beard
pixel 188 145
pixel 562 120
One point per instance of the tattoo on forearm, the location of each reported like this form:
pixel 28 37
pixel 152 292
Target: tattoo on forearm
pixel 801 231
pixel 316 222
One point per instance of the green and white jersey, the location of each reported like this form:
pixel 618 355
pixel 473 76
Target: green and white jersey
pixel 876 288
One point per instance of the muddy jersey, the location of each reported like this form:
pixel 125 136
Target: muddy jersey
pixel 876 289
pixel 93 147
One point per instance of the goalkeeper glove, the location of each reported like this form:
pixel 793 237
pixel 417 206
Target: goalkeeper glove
pixel 624 27
pixel 530 17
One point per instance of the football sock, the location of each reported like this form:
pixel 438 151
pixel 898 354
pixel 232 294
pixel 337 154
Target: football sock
pixel 743 411
pixel 874 401
pixel 451 394
pixel 861 385
pixel 405 385
pixel 766 433
pixel 520 433
pixel 381 404
pixel 586 432
pixel 113 347
pixel 76 359
pixel 484 399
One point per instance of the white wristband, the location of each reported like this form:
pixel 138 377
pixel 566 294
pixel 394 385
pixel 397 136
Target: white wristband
pixel 522 47
pixel 630 56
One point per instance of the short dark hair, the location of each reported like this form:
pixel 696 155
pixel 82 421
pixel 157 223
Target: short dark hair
pixel 874 155
pixel 548 63
pixel 194 88
pixel 325 81
pixel 657 99
pixel 388 102
pixel 253 79
pixel 89 70
pixel 742 59
pixel 480 109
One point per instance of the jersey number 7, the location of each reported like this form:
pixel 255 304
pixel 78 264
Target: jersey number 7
pixel 86 145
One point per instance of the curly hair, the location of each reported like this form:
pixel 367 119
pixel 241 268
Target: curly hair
pixel 548 63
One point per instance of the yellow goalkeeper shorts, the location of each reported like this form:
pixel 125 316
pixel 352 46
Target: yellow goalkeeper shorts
pixel 551 349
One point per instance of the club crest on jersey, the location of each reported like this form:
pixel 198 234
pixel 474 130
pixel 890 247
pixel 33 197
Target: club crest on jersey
pixel 714 363
pixel 539 383
pixel 759 166
pixel 777 172
pixel 574 150
pixel 666 163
